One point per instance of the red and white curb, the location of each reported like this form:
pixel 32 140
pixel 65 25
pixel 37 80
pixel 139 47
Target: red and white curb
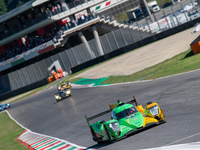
pixel 36 141
pixel 35 93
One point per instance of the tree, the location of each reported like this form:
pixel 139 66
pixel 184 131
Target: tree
pixel 19 3
pixel 3 7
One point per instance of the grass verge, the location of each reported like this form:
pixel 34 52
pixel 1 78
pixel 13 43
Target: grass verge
pixel 181 63
pixel 9 133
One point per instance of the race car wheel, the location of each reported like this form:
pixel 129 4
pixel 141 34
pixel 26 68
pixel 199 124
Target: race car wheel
pixel 158 118
pixel 109 138
pixel 95 138
pixel 57 100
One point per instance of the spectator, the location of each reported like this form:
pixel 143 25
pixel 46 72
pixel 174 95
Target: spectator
pixel 93 14
pixel 82 18
pixel 102 17
pixel 53 10
pixel 64 6
pixel 48 12
pixel 6 31
pixel 56 9
pixel 59 8
pixel 69 25
pixel 112 19
pixel 76 2
pixel 66 26
pixel 108 18
pixel 86 18
pixel 74 23
pixel 90 16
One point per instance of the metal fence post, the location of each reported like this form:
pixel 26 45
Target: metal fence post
pixel 75 57
pixel 166 18
pixel 139 29
pixel 123 36
pixel 133 39
pixel 108 42
pixel 35 73
pixel 62 61
pixel 39 69
pixel 14 79
pixel 19 77
pixel 115 39
pixel 69 58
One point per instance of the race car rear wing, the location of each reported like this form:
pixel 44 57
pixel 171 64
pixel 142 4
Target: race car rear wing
pixel 109 110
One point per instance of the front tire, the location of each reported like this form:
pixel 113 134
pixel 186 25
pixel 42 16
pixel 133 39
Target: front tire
pixel 109 138
pixel 95 138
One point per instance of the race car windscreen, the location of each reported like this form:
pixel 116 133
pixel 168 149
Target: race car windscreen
pixel 126 112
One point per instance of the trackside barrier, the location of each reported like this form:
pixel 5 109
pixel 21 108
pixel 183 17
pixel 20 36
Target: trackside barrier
pixel 23 89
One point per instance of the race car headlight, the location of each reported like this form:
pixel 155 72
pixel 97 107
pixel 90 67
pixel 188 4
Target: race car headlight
pixel 68 92
pixel 56 96
pixel 114 126
pixel 154 110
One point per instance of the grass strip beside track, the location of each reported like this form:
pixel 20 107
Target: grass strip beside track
pixel 9 133
pixel 181 63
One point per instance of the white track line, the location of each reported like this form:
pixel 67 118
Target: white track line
pixel 183 139
pixel 80 147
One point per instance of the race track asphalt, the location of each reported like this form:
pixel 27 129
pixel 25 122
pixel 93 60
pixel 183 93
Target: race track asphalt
pixel 178 96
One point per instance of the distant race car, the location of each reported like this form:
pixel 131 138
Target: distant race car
pixel 66 86
pixel 6 106
pixel 126 119
pixel 63 93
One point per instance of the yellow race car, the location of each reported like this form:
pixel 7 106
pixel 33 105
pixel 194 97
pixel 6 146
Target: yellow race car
pixel 62 93
pixel 66 86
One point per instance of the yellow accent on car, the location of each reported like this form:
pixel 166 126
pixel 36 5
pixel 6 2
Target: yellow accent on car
pixel 140 108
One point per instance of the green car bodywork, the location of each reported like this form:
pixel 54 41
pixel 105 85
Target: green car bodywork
pixel 125 119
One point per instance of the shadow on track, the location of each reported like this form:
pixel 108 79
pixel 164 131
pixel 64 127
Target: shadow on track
pixel 103 144
pixel 107 143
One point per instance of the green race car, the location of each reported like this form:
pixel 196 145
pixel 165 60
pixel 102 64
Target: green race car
pixel 125 119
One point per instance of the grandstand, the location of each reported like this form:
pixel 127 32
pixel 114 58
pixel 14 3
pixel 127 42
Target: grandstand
pixel 40 32
pixel 74 33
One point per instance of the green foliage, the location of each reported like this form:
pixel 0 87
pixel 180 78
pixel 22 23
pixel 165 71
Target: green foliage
pixel 7 5
pixel 121 17
pixel 19 3
pixel 9 131
pixel 3 7
pixel 161 2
